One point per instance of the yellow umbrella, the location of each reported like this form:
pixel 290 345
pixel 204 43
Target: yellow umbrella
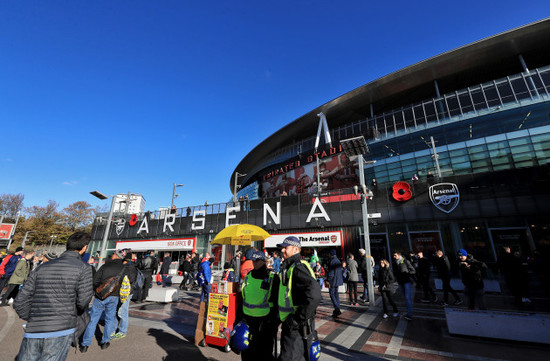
pixel 240 235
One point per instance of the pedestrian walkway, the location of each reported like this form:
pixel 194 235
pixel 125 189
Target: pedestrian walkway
pixel 165 332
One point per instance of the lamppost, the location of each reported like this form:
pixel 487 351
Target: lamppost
pixel 102 196
pixel 25 238
pixel 237 175
pixel 357 146
pixel 174 195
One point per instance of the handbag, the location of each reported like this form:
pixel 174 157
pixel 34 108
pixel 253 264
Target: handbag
pixel 105 289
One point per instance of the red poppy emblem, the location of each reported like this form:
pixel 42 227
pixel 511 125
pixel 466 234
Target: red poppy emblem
pixel 133 220
pixel 402 191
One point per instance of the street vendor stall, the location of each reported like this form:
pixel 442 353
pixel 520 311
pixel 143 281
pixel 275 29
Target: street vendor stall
pixel 216 318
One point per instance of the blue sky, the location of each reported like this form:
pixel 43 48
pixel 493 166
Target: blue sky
pixel 132 96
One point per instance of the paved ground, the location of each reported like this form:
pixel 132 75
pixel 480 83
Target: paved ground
pixel 165 332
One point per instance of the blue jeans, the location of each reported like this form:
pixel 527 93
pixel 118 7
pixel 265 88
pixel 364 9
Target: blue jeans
pixel 406 291
pixel 205 292
pixel 123 315
pixel 51 349
pixel 365 290
pixel 109 306
pixel 334 296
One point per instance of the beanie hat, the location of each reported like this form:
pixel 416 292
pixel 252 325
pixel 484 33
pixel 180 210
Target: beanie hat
pixel 362 251
pixel 333 252
pixel 19 249
pixel 462 252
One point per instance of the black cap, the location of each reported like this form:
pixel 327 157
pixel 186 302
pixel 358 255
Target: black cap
pixel 18 249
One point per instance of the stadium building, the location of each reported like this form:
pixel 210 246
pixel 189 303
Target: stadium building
pixel 461 144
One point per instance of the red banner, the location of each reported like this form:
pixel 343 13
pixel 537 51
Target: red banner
pixel 5 230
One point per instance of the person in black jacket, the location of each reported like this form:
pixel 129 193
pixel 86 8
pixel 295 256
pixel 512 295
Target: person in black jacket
pixel 51 300
pixel 113 268
pixel 186 268
pixel 403 271
pixel 165 269
pixel 443 267
pixel 385 284
pixel 148 266
pixel 298 328
pixel 423 278
pixel 471 270
pixel 124 307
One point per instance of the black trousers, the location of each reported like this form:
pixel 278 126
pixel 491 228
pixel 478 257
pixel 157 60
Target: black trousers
pixel 387 298
pixel 12 292
pixel 447 288
pixel 292 343
pixel 352 290
pixel 262 339
pixel 146 285
pixel 429 293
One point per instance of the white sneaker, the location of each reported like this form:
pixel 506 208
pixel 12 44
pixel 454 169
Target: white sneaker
pixel 396 314
pixel 385 315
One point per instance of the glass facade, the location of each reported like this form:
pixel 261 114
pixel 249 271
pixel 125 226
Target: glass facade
pixel 512 150
pixel 477 110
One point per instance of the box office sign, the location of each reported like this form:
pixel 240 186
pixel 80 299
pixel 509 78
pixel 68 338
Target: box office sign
pixel 312 239
pixel 179 244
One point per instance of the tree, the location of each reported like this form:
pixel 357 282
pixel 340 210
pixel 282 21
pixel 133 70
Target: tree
pixel 10 204
pixel 79 215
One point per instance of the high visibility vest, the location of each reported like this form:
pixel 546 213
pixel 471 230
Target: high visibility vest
pixel 286 306
pixel 255 298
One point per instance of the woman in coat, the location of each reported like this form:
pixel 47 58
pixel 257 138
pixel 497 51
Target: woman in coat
pixel 353 277
pixel 385 286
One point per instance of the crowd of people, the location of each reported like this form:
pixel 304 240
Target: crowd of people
pixel 278 288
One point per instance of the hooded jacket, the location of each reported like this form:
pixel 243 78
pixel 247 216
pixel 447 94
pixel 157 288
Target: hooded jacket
pixel 471 271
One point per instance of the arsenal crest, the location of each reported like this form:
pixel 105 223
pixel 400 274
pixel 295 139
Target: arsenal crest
pixel 445 196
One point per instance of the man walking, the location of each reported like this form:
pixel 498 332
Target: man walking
pixel 443 267
pixel 8 266
pixel 403 271
pixel 19 276
pixel 299 296
pixel 52 297
pixel 123 307
pixel 335 279
pixel 112 268
pixel 424 268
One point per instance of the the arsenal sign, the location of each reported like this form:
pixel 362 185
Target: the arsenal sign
pixel 445 196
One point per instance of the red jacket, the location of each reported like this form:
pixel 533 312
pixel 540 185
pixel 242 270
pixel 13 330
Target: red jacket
pixel 246 267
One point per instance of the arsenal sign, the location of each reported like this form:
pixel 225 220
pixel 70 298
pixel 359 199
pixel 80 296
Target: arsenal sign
pixel 445 196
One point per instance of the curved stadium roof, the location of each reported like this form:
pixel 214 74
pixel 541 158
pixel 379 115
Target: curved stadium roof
pixel 475 63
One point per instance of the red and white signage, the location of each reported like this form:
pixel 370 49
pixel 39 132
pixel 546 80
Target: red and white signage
pixel 312 239
pixel 175 244
pixel 5 230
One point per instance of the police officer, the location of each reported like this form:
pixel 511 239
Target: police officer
pixel 299 296
pixel 259 292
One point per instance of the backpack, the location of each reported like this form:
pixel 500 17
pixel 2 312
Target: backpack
pixel 200 278
pixel 140 280
pixel 147 263
pixel 125 289
pixel 105 289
